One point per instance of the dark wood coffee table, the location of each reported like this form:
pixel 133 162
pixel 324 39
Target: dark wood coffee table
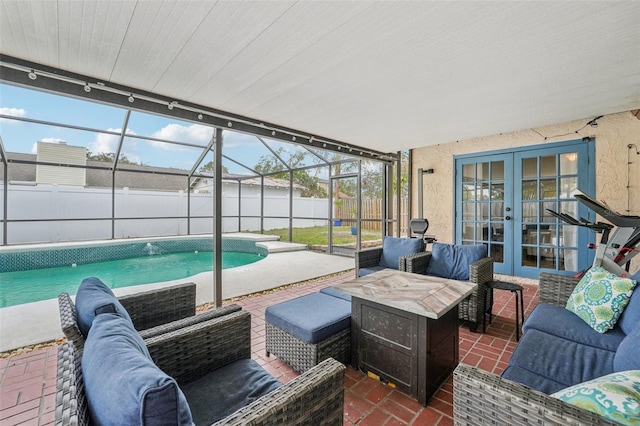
pixel 404 328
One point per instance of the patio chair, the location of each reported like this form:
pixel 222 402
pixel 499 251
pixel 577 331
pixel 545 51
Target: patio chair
pixel 195 357
pixel 152 312
pixel 393 254
pixel 459 262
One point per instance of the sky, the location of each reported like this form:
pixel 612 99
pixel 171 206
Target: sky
pixel 22 137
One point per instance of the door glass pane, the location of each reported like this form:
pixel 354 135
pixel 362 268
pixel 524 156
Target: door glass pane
pixel 497 170
pixel 547 188
pixel 468 192
pixel 567 187
pixel 497 191
pixel 467 231
pixel 467 211
pixel 529 190
pixel 530 212
pixel 497 253
pixel 467 173
pixel 483 211
pixel 569 207
pixel 483 171
pixel 529 167
pixel 497 211
pixel 569 163
pixel 548 165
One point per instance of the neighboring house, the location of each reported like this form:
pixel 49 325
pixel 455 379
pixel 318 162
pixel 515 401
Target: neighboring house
pixel 24 171
pixel 250 186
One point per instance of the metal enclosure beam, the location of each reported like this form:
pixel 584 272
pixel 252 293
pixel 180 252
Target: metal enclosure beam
pixel 217 220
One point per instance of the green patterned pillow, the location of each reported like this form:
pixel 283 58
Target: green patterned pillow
pixel 615 396
pixel 600 297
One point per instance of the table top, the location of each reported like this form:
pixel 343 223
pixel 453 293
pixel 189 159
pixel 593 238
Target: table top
pixel 424 295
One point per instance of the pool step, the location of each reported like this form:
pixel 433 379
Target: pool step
pixel 281 247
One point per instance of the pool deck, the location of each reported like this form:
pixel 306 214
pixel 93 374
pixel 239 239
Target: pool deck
pixel 287 263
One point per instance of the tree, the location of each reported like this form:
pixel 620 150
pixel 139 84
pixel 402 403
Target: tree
pixel 210 167
pixel 269 164
pixel 107 157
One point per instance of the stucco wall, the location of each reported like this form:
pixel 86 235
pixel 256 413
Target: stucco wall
pixel 612 136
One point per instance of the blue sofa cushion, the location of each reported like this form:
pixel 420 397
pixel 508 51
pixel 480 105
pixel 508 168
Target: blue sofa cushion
pixel 556 320
pixel 332 291
pixel 366 271
pixel 393 248
pixel 560 360
pixel 534 381
pixel 94 295
pixel 311 318
pixel 122 384
pixel 220 393
pixel 452 261
pixel 631 315
pixel 628 353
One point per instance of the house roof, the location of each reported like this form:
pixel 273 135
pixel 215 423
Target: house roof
pixel 381 75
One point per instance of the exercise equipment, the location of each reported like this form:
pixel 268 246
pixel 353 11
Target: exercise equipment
pixel 620 238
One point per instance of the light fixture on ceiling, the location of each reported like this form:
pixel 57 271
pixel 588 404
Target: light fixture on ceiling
pixel 273 133
pixel 131 98
pixel 311 140
pixel 594 122
pixel 324 145
pixel 87 88
pixel 32 75
pixel 230 124
pixel 172 104
pixel 293 139
pixel 200 117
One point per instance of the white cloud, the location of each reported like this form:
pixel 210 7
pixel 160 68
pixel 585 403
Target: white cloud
pixel 106 143
pixel 13 112
pixel 195 134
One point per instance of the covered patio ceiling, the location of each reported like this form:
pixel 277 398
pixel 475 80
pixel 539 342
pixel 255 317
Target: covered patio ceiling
pixel 381 75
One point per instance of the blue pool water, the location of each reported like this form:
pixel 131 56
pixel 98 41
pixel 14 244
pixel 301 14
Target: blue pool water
pixel 156 264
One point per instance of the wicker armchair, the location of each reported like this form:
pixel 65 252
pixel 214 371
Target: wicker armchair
pixel 481 272
pixel 369 258
pixel 314 397
pixel 480 397
pixel 152 312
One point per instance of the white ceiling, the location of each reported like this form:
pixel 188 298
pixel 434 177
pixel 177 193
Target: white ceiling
pixel 384 75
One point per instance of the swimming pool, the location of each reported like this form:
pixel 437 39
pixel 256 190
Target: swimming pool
pixel 30 275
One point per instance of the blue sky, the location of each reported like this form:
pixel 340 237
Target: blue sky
pixel 22 137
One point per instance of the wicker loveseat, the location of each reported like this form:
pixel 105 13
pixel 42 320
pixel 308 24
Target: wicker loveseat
pixel 554 349
pixel 458 262
pixel 202 373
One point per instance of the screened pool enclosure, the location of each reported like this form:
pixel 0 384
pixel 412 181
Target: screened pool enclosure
pixel 85 161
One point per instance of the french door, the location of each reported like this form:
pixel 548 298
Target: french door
pixel 503 198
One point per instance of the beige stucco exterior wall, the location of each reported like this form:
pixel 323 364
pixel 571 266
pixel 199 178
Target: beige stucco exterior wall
pixel 612 136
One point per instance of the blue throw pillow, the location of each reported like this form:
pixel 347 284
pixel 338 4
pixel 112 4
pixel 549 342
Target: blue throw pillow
pixel 94 295
pixel 122 384
pixel 630 317
pixel 394 248
pixel 452 261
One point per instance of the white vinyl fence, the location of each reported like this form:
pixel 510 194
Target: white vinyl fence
pixel 58 213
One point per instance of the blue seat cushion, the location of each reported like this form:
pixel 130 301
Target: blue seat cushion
pixel 220 393
pixel 394 248
pixel 563 361
pixel 630 317
pixel 366 271
pixel 532 380
pixel 93 297
pixel 122 384
pixel 311 318
pixel 628 353
pixel 558 321
pixel 452 261
pixel 332 291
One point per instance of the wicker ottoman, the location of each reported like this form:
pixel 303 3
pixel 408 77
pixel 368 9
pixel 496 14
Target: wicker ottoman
pixel 309 329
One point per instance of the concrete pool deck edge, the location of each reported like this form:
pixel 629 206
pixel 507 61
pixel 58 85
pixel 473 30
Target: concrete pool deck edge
pixel 38 322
